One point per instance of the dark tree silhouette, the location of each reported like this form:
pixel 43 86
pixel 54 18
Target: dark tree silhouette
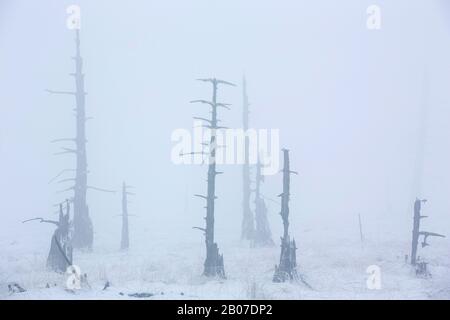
pixel 248 227
pixel 60 255
pixel 416 233
pixel 361 235
pixel 125 239
pixel 263 235
pixel 83 230
pixel 287 268
pixel 213 266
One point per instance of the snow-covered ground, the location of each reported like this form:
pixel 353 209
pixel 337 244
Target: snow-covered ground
pixel 335 268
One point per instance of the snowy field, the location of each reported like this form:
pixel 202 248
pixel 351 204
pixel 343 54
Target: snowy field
pixel 335 269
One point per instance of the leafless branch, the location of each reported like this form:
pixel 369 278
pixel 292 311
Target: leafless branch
pixel 100 189
pixel 42 220
pixel 61 92
pixel 198 228
pixel 59 174
pixel 202 101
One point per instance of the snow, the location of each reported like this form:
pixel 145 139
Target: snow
pixel 335 268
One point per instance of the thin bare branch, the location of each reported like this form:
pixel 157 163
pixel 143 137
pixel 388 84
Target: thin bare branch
pixel 59 174
pixel 66 180
pixel 198 228
pixel 65 190
pixel 225 82
pixel 202 101
pixel 42 220
pixel 63 139
pixel 66 150
pixel 61 92
pixel 203 119
pixel 100 189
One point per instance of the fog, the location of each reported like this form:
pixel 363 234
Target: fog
pixel 348 101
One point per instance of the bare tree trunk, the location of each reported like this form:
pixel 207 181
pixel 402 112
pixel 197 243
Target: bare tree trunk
pixel 360 228
pixel 83 230
pixel 416 233
pixel 248 228
pixel 213 266
pixel 60 255
pixel 263 235
pixel 125 242
pixel 287 268
pixel 214 261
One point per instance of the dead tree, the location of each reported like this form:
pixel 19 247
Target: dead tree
pixel 416 233
pixel 287 268
pixel 60 254
pixel 213 266
pixel 361 235
pixel 263 235
pixel 83 230
pixel 248 227
pixel 125 240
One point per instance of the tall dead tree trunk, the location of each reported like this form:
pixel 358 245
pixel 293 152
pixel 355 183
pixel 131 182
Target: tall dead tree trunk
pixel 213 266
pixel 125 240
pixel 83 229
pixel 416 233
pixel 263 235
pixel 248 228
pixel 287 268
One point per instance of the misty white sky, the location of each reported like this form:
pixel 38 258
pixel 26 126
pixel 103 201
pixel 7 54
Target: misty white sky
pixel 346 100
